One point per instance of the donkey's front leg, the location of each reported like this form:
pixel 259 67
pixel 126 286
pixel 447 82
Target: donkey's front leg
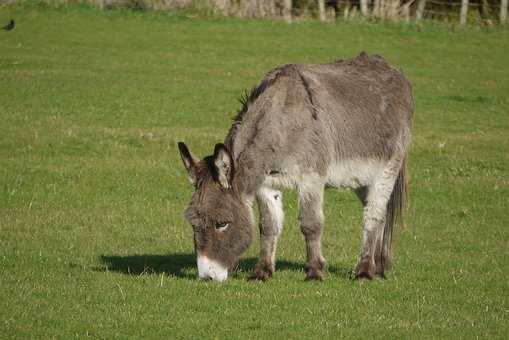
pixel 311 223
pixel 270 204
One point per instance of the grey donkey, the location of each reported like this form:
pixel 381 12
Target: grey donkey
pixel 344 124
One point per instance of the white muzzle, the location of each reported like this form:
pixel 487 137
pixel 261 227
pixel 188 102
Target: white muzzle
pixel 210 269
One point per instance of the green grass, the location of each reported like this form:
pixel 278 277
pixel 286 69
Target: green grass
pixel 92 190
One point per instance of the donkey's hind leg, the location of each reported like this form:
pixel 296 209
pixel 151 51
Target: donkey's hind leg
pixel 375 199
pixel 270 205
pixel 311 224
pixel 365 266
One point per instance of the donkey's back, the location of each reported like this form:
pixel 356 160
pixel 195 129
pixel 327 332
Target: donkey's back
pixel 317 119
pixel 365 103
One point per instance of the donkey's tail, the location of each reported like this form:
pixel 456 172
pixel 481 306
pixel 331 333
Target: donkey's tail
pixel 395 213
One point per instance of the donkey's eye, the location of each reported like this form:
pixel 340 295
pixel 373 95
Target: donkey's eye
pixel 222 226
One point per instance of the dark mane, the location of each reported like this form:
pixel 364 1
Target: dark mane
pixel 249 97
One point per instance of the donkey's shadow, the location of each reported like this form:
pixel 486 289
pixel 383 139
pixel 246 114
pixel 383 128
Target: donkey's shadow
pixel 183 265
pixel 171 264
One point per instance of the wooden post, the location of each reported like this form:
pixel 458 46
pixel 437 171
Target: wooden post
pixel 464 12
pixel 321 9
pixel 405 11
pixel 377 9
pixel 393 10
pixel 383 8
pixel 421 5
pixel 503 11
pixel 287 11
pixel 224 6
pixel 364 7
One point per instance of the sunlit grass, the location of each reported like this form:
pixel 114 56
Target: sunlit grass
pixel 92 238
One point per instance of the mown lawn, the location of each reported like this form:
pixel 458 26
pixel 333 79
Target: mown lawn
pixel 92 189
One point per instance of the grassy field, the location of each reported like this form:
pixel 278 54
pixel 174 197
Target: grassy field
pixel 92 238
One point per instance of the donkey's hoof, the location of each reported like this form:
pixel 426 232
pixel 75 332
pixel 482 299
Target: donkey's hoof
pixel 314 274
pixel 314 270
pixel 257 277
pixel 262 272
pixel 364 276
pixel 364 271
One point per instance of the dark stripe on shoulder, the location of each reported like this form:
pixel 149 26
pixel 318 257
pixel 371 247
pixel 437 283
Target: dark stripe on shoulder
pixel 305 83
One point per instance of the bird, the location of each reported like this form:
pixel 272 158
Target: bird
pixel 9 26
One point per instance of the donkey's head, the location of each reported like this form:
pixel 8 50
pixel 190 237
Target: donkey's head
pixel 221 219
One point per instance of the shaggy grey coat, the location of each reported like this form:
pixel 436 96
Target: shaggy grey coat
pixel 342 124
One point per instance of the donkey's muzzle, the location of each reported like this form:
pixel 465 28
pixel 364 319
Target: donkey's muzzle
pixel 211 269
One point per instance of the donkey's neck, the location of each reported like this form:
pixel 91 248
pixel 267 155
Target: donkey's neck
pixel 243 140
pixel 248 177
pixel 248 171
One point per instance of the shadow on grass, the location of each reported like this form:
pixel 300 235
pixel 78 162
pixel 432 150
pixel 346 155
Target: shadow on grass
pixel 247 265
pixel 178 265
pixel 171 264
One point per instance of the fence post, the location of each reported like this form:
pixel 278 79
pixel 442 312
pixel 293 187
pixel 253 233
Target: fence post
pixel 421 5
pixel 503 11
pixel 364 7
pixel 321 9
pixel 377 13
pixel 287 11
pixel 405 11
pixel 464 12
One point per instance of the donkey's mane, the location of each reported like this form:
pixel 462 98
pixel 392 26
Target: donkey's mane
pixel 247 98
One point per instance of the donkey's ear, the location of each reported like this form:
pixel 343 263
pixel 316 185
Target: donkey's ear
pixel 189 161
pixel 223 164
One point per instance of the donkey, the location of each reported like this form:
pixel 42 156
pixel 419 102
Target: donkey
pixel 345 124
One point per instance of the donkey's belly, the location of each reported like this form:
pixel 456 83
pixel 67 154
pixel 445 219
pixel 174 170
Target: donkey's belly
pixel 289 174
pixel 345 174
pixel 354 173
